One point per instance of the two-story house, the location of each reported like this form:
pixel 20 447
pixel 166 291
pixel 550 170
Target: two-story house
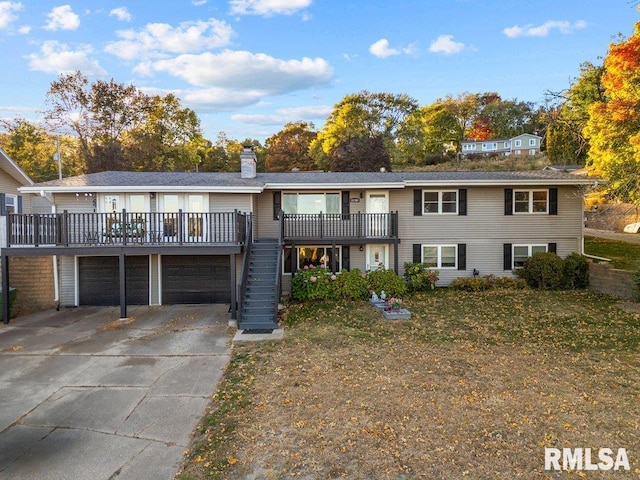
pixel 161 238
pixel 524 144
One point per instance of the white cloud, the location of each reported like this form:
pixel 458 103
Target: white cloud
pixel 445 44
pixel 55 57
pixel 121 13
pixel 305 112
pixel 247 71
pixel 239 78
pixel 267 7
pixel 8 12
pixel 381 49
pixel 286 115
pixel 544 29
pixel 62 18
pixel 158 39
pixel 198 3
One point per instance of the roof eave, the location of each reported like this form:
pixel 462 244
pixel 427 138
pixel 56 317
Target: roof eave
pixel 334 185
pixel 498 183
pixel 40 190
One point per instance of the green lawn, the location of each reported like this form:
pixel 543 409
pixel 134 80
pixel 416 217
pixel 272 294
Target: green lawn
pixel 623 255
pixel 475 385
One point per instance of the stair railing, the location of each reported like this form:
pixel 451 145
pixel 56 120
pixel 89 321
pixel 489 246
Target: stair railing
pixel 246 259
pixel 278 291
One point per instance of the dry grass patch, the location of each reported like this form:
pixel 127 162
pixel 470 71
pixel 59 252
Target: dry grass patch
pixel 474 386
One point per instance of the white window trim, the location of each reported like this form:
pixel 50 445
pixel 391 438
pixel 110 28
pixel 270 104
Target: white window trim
pixel 325 193
pixel 440 212
pixel 532 151
pixel 489 146
pixel 532 142
pixel 530 247
pixel 517 143
pixel 530 209
pixel 439 261
pixel 14 204
pixel 123 201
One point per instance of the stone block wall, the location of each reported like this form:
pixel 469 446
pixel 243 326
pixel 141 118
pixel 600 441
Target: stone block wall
pixel 612 281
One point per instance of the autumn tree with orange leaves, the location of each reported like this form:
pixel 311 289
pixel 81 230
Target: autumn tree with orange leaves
pixel 613 128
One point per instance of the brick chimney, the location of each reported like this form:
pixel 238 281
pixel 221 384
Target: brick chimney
pixel 248 163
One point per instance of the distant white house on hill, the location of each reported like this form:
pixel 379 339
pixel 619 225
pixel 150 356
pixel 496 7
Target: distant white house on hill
pixel 523 144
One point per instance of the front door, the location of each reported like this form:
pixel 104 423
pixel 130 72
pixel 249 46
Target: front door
pixel 377 256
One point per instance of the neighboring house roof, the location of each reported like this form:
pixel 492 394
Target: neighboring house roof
pixel 13 169
pixel 232 183
pixel 472 140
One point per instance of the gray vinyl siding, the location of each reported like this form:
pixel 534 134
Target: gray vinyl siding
pixel 9 185
pixel 228 202
pixel 266 226
pixel 67 281
pixel 74 204
pixel 485 229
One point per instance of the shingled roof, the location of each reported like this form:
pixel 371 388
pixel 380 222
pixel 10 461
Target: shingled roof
pixel 231 182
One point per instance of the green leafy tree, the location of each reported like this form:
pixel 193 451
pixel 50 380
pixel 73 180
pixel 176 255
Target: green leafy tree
pixel 567 116
pixel 363 114
pixel 289 148
pixel 363 154
pixel 168 138
pixel 431 130
pixel 34 149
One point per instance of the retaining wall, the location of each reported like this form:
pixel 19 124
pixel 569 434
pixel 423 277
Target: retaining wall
pixel 612 281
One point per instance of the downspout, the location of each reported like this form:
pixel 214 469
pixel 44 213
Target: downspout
pixel 56 283
pixel 56 280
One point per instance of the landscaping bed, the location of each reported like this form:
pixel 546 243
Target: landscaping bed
pixel 474 385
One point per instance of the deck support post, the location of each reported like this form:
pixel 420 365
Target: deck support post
pixel 123 285
pixel 234 298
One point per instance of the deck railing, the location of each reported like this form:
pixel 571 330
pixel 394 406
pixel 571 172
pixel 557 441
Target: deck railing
pixel 126 228
pixel 340 226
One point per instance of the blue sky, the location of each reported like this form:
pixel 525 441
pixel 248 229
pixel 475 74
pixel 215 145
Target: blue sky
pixel 249 66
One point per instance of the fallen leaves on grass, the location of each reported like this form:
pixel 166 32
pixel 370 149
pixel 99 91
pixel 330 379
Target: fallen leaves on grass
pixel 474 385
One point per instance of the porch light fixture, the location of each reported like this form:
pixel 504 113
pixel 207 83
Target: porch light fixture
pixel 361 248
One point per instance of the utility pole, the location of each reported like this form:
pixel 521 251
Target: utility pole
pixel 56 157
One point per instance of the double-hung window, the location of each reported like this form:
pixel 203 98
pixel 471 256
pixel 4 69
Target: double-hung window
pixel 522 252
pixel 440 256
pixel 530 201
pixel 444 201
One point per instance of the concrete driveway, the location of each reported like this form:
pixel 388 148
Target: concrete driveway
pixel 85 395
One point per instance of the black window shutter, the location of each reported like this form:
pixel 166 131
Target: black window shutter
pixel 553 201
pixel 277 204
pixel 508 262
pixel 19 204
pixel 462 256
pixel 508 202
pixel 552 247
pixel 462 201
pixel 417 202
pixel 345 205
pixel 345 258
pixel 417 253
pixel 3 204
